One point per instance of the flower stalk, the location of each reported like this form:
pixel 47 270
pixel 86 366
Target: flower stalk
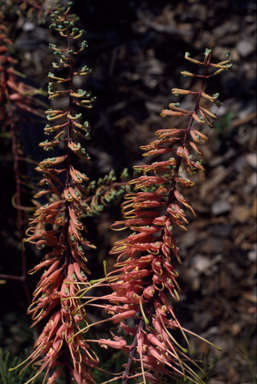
pixel 145 281
pixel 58 226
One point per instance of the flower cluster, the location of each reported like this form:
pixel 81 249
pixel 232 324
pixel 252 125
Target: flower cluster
pixel 58 225
pixel 55 339
pixel 145 279
pixel 35 10
pixel 14 95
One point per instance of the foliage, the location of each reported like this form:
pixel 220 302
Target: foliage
pixel 13 377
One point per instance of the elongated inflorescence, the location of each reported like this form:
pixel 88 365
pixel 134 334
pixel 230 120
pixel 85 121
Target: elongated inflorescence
pixel 145 280
pixel 16 99
pixel 58 225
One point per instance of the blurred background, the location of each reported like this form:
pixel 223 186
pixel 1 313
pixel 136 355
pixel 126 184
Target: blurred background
pixel 136 50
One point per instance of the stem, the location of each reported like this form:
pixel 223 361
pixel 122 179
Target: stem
pixel 67 370
pixel 11 277
pixel 19 213
pixel 132 353
pixel 67 260
pixel 173 184
pixel 23 277
pixel 68 161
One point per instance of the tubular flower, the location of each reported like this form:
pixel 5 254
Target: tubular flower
pixel 146 279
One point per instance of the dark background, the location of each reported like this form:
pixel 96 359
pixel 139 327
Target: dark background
pixel 136 50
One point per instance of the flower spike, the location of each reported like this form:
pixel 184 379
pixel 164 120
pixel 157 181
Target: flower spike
pixel 146 280
pixel 58 224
